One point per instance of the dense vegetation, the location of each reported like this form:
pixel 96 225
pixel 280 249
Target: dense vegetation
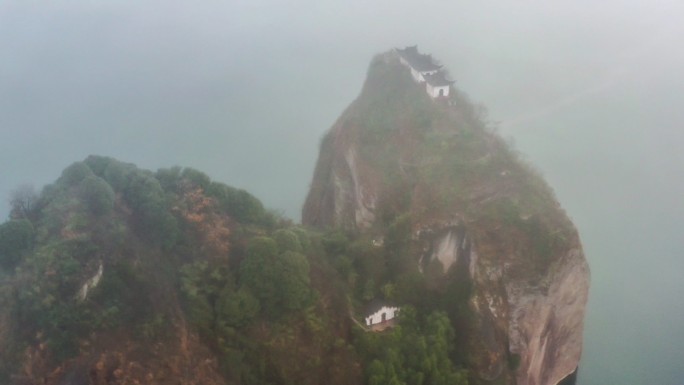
pixel 273 302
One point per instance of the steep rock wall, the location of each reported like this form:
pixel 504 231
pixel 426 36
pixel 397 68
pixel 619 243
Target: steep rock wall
pixel 344 191
pixel 545 326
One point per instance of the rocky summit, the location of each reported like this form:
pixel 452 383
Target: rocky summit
pixel 472 211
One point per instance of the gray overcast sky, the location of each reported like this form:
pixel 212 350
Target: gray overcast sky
pixel 591 92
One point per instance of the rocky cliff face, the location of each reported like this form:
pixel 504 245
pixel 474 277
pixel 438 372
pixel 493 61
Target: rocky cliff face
pixel 475 210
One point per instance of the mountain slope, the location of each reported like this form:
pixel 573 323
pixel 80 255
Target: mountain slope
pixel 119 275
pixel 398 165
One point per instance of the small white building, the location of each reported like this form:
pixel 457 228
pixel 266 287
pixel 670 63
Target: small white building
pixel 437 85
pixel 380 316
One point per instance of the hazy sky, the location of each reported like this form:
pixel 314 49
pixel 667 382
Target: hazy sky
pixel 592 93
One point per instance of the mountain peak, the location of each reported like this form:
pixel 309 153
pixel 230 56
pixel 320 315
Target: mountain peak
pixel 469 208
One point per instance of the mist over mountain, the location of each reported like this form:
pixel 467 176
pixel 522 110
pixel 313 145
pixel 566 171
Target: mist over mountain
pixel 114 274
pixel 588 92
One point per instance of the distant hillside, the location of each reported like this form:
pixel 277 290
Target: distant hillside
pixel 199 285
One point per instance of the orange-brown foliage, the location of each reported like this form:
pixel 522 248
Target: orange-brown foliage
pixel 211 227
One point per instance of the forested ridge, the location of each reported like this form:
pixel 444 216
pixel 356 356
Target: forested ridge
pixel 113 275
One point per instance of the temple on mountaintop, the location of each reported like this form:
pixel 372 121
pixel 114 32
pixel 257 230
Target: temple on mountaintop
pixel 425 70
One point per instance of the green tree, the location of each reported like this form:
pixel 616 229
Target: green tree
pixel 98 164
pixel 97 194
pixel 417 352
pixel 16 238
pixel 287 241
pixel 280 282
pixel 303 237
pixel 202 285
pixel 75 173
pixel 294 281
pixel 376 373
pixel 239 204
pixel 335 242
pixel 118 175
pixel 151 209
pixel 236 308
pixel 196 178
pixel 169 178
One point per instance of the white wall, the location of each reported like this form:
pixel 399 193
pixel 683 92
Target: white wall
pixel 434 91
pixel 416 75
pixel 376 318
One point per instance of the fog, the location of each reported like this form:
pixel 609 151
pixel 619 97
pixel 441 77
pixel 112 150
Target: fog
pixel 592 93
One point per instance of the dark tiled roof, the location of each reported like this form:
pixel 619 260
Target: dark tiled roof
pixel 437 79
pixel 418 61
pixel 412 50
pixel 376 305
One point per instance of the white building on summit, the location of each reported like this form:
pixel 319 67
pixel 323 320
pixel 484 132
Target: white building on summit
pixel 419 64
pixel 424 70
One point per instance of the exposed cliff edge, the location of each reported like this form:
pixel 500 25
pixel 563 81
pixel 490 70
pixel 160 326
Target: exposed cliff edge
pixel 474 212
